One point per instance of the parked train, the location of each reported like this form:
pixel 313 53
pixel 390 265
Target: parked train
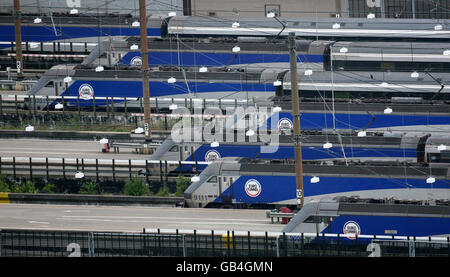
pixel 243 182
pixel 238 83
pixel 315 146
pixel 334 55
pixel 315 28
pixel 90 85
pixel 363 219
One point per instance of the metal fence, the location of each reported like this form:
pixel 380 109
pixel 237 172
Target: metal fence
pixel 96 169
pixel 32 243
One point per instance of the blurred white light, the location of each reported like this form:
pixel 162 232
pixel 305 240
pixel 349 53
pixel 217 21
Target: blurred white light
pixel 104 141
pixel 29 128
pixel 195 179
pixel 442 147
pixel 236 49
pixel 308 72
pixel 59 106
pixel 415 74
pixel 34 44
pixel 235 25
pixel 387 110
pixel 203 69
pixel 384 84
pixel 99 68
pixel 315 179
pixel 136 24
pixel 79 175
pixel 431 180
pixel 68 79
pixel 362 133
pixel 446 53
pixel 277 109
pixel 134 47
pixel 277 83
pixel 73 11
pixel 171 80
pixel 270 15
pixel 336 26
pixel 215 144
pixel 343 50
pixel 139 130
pixel 250 133
pixel 172 13
pixel 37 20
pixel 370 16
pixel 327 145
pixel 438 27
pixel 173 107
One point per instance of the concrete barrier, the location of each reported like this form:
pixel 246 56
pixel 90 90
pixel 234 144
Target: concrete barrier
pixel 82 199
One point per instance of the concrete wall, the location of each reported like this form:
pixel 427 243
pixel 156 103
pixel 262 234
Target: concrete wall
pixel 258 8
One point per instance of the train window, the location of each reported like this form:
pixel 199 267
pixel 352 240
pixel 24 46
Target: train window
pixel 213 179
pixel 318 219
pixel 174 148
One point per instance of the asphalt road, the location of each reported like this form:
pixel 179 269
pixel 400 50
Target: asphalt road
pixel 131 219
pixel 61 149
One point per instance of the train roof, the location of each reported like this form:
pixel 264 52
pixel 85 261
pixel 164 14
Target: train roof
pixel 333 168
pixel 372 207
pixel 312 27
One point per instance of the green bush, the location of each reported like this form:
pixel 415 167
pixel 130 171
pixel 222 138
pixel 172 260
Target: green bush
pixel 164 191
pixel 89 187
pixel 27 187
pixel 136 187
pixel 182 184
pixel 4 183
pixel 49 188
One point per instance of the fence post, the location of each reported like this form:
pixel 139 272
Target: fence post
pixel 64 169
pixel 113 170
pixel 1 104
pixel 31 168
pixel 278 247
pixel 96 169
pixel 412 248
pixel 0 242
pixel 47 105
pixel 14 168
pixel 129 168
pixel 184 246
pixel 91 244
pixel 46 169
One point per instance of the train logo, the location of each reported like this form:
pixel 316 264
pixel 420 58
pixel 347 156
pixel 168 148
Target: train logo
pixel 285 124
pixel 252 188
pixel 212 155
pixel 136 61
pixel 86 92
pixel 352 229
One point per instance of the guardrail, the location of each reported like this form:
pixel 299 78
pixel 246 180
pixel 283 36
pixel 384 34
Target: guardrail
pixel 115 169
pixel 198 243
pixel 80 199
pixel 14 103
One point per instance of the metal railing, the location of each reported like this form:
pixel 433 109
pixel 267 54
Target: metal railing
pixel 96 169
pixel 192 243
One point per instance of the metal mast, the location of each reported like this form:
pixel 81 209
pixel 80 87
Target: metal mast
pixel 296 120
pixel 18 34
pixel 145 71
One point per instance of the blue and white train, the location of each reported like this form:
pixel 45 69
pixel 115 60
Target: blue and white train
pixel 243 182
pixel 371 220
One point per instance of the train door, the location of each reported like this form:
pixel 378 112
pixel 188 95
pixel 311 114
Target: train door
pixel 226 190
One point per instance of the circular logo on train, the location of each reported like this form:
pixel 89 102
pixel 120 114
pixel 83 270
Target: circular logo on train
pixel 136 61
pixel 212 155
pixel 252 188
pixel 285 124
pixel 352 229
pixel 86 92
